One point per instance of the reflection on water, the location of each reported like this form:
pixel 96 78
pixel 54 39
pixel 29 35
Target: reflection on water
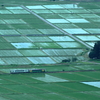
pixel 49 78
pixel 95 84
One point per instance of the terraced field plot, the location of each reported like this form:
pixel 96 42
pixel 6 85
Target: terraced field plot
pixel 28 37
pixel 43 27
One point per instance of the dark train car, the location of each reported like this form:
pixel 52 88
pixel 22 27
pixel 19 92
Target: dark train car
pixel 16 71
pixel 36 70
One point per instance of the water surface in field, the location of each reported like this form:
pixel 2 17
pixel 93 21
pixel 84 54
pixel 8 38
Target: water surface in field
pixel 95 84
pixel 49 78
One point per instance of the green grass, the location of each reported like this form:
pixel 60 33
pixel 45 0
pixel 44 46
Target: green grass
pixel 47 45
pixel 4 27
pixel 50 16
pixel 87 25
pixel 83 96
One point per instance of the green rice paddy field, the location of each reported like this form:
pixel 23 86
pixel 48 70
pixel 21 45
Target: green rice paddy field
pixel 60 82
pixel 39 35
